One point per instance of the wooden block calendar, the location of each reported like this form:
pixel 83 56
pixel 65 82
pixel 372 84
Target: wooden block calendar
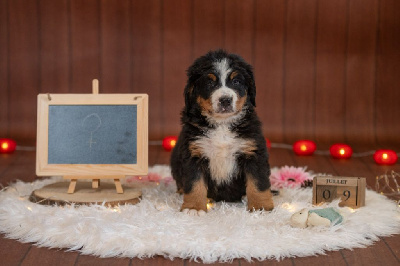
pixel 351 190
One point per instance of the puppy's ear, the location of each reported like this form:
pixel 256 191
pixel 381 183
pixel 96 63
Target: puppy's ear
pixel 251 85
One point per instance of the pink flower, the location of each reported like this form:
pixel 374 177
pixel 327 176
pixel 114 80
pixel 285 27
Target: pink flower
pixel 151 177
pixel 289 177
pixel 168 179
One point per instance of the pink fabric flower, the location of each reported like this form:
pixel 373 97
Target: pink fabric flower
pixel 289 177
pixel 151 177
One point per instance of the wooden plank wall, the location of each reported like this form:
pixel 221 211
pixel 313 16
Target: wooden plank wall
pixel 325 70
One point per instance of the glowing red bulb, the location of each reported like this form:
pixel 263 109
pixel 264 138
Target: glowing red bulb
pixel 169 142
pixel 268 143
pixel 7 145
pixel 341 151
pixel 304 147
pixel 385 157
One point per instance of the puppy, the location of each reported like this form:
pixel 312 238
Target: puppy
pixel 221 152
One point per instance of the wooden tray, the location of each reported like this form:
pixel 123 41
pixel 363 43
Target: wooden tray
pixel 85 195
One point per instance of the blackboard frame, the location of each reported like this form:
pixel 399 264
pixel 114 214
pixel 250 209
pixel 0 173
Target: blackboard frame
pixel 43 168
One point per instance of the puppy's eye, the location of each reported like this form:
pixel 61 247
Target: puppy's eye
pixel 210 82
pixel 236 82
pixel 212 77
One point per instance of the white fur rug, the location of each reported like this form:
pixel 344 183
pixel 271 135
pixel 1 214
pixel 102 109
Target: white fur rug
pixel 156 227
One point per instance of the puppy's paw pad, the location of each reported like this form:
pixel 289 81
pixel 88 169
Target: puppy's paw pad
pixel 193 212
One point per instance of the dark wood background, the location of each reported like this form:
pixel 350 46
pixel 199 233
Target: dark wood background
pixel 325 70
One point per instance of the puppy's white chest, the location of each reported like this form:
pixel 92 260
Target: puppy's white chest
pixel 220 146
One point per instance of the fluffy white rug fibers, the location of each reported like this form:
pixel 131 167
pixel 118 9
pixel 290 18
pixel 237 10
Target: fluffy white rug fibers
pixel 156 227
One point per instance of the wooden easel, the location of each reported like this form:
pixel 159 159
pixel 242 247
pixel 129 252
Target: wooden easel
pixel 72 192
pixel 95 181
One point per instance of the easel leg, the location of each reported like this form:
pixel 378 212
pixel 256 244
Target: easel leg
pixel 118 186
pixel 95 183
pixel 72 185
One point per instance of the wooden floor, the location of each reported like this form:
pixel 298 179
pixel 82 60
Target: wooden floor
pixel 21 165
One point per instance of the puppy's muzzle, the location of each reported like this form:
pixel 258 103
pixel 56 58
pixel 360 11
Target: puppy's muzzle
pixel 225 105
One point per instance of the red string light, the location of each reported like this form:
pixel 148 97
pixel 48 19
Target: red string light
pixel 308 147
pixel 7 145
pixel 268 142
pixel 300 147
pixel 169 142
pixel 341 151
pixel 385 157
pixel 304 147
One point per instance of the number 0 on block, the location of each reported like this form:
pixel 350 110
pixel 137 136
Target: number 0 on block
pixel 351 190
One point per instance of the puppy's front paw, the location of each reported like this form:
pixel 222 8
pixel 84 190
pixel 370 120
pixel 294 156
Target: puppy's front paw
pixel 193 212
pixel 258 206
pixel 196 200
pixel 260 200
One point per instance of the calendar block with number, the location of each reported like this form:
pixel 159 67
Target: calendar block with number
pixel 351 190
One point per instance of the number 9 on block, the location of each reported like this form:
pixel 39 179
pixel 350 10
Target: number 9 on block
pixel 350 190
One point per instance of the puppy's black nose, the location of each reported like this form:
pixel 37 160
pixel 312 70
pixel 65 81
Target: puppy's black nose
pixel 225 101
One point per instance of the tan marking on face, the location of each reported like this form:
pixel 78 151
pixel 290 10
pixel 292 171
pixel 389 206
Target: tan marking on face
pixel 256 199
pixel 233 74
pixel 212 76
pixel 197 198
pixel 240 103
pixel 205 104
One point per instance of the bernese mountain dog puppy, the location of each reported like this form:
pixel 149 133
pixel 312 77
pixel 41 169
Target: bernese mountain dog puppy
pixel 221 152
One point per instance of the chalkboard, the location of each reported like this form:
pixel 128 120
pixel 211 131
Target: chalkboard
pixel 92 134
pixel 85 135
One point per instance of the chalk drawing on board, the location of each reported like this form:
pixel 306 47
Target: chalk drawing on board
pixel 91 123
pixel 92 134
